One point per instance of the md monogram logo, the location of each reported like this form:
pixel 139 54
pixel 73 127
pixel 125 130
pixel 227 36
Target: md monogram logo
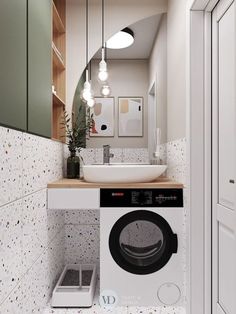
pixel 108 299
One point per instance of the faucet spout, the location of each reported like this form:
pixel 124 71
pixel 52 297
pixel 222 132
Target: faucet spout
pixel 106 154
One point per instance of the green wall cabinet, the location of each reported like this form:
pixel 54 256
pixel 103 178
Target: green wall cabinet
pixel 13 63
pixel 39 67
pixel 25 63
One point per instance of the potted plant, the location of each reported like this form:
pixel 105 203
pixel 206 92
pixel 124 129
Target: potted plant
pixel 75 136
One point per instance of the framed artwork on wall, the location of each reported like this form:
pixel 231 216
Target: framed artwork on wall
pixel 130 116
pixel 102 115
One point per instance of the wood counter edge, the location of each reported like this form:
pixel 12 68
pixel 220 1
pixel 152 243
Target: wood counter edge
pixel 80 183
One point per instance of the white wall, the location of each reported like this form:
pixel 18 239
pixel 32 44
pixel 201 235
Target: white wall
pixel 176 69
pixel 158 74
pixel 127 78
pixel 118 14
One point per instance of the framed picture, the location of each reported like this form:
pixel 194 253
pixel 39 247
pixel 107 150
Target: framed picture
pixel 102 115
pixel 130 116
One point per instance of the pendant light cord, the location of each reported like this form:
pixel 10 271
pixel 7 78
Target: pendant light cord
pixel 103 23
pixel 87 26
pixel 90 70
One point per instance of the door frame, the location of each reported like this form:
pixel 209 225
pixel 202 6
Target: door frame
pixel 199 143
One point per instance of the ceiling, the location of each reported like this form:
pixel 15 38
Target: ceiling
pixel 144 35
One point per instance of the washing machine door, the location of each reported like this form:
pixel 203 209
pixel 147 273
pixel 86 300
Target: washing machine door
pixel 142 242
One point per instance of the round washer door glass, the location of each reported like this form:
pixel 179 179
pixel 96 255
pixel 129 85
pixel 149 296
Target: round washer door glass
pixel 142 242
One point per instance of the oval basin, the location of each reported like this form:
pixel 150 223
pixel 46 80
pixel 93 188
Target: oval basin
pixel 122 173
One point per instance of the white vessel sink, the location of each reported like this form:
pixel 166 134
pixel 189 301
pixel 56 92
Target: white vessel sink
pixel 122 173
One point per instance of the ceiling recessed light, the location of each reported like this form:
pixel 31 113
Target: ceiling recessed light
pixel 122 39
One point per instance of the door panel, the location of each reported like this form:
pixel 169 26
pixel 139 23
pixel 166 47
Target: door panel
pixel 224 158
pixel 39 67
pixel 13 63
pixel 226 107
pixel 225 267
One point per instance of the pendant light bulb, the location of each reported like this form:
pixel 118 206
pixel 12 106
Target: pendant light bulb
pixel 105 90
pixel 103 74
pixel 87 91
pixel 91 102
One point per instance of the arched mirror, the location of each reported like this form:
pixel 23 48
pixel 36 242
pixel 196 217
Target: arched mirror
pixel 136 106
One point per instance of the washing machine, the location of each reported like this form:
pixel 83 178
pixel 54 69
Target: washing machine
pixel 141 247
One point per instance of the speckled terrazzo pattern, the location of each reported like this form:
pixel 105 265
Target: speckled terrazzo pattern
pixel 82 217
pixel 127 155
pixel 31 238
pixel 11 154
pixel 42 162
pixel 177 170
pixel 81 243
pixel 96 309
pixel 177 160
pixel 11 267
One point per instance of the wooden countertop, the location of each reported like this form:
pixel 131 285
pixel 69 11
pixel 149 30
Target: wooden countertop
pixel 80 184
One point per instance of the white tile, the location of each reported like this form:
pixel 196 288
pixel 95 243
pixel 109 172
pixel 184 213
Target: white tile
pixel 40 279
pixel 176 152
pixel 88 155
pixel 14 302
pixel 82 217
pixel 178 173
pixel 36 287
pixel 55 258
pixel 34 227
pixel 98 155
pixel 10 165
pixel 50 310
pixel 144 310
pixel 118 155
pixel 81 243
pixel 135 155
pixel 11 269
pixel 156 310
pixel 173 310
pixel 39 226
pixel 42 162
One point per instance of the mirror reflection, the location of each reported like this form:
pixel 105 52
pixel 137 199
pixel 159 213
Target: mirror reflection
pixel 133 113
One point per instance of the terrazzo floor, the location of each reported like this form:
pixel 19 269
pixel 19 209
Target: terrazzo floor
pixel 97 309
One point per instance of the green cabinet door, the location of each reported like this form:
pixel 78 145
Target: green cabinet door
pixel 39 67
pixel 13 63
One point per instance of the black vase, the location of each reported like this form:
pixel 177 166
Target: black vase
pixel 73 166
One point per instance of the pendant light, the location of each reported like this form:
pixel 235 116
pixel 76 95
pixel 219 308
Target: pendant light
pixel 87 93
pixel 122 39
pixel 102 72
pixel 105 90
pixel 91 100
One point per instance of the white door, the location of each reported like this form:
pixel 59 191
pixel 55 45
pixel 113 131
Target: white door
pixel 224 158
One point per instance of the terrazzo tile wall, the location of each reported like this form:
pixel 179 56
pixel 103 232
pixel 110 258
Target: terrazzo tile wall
pixel 176 158
pixel 82 226
pixel 31 238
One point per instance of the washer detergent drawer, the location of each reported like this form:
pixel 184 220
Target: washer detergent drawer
pixel 71 199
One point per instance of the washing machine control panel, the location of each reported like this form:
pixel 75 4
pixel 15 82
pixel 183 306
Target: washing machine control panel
pixel 141 198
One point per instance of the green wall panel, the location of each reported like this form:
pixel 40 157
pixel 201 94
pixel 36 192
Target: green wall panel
pixel 39 67
pixel 13 63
